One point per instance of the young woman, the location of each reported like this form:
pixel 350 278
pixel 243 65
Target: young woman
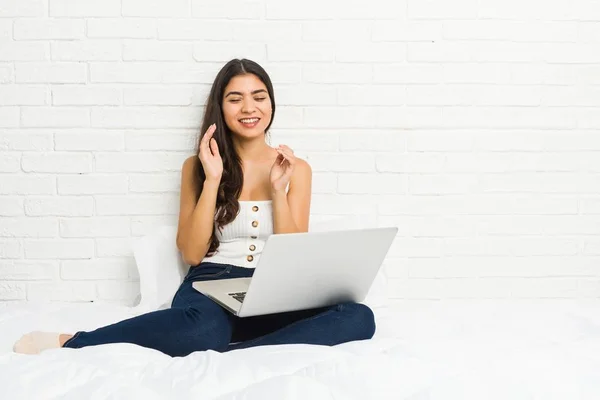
pixel 235 192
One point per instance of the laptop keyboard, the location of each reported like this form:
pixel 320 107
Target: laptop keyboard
pixel 239 296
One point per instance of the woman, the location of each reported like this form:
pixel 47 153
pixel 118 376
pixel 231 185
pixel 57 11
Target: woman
pixel 248 190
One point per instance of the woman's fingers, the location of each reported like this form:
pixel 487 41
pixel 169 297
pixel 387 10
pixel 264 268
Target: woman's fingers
pixel 205 145
pixel 287 150
pixel 287 153
pixel 214 147
pixel 279 159
pixel 283 146
pixel 209 133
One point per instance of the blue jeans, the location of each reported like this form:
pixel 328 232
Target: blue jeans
pixel 196 323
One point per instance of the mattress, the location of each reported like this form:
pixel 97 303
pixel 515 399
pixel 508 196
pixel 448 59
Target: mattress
pixel 471 349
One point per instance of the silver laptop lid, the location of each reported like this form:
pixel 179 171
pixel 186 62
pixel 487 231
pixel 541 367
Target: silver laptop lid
pixel 308 270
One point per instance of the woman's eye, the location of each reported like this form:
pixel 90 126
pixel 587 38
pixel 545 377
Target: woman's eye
pixel 257 99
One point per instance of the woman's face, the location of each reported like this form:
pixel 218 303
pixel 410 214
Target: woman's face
pixel 246 106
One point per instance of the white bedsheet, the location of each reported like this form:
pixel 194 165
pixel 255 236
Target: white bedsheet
pixel 538 349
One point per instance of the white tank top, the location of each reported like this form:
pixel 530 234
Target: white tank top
pixel 243 239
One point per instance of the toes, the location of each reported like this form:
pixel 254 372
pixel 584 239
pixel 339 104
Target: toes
pixel 25 345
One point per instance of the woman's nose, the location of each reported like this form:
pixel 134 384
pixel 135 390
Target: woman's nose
pixel 247 106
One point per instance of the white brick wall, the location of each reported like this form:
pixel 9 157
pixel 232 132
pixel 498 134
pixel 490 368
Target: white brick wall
pixel 473 126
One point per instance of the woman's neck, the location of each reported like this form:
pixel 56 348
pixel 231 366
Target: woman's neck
pixel 254 150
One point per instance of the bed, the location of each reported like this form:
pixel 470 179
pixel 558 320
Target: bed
pixel 422 350
pixel 472 349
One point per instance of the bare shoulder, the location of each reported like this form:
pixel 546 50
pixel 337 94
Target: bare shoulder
pixel 189 163
pixel 302 171
pixel 189 166
pixel 189 173
pixel 303 167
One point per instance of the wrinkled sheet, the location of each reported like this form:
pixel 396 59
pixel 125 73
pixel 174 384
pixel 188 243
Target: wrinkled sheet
pixel 468 349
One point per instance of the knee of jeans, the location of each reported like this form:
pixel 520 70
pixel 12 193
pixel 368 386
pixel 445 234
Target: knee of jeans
pixel 361 317
pixel 209 332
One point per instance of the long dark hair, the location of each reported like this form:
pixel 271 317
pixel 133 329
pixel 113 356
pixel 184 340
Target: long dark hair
pixel 230 187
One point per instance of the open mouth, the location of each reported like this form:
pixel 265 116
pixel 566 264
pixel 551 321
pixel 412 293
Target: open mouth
pixel 249 122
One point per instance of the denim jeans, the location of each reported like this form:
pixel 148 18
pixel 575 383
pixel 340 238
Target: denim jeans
pixel 196 323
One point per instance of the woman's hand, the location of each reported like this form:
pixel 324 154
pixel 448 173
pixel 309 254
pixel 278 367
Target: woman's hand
pixel 282 168
pixel 209 156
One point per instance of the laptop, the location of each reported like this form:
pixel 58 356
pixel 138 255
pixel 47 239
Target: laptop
pixel 299 271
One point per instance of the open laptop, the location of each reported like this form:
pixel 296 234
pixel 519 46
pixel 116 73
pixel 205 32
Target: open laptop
pixel 298 271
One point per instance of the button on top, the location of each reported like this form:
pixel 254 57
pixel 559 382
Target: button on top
pixel 255 208
pixel 249 258
pixel 255 223
pixel 252 247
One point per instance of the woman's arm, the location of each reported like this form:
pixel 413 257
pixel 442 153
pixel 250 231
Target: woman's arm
pixel 196 218
pixel 291 212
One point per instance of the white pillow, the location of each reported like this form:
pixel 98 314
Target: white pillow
pixel 161 268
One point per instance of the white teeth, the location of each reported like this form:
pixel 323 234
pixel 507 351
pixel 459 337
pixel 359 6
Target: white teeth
pixel 249 121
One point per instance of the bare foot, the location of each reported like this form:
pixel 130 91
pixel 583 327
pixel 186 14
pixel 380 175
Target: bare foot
pixel 63 337
pixel 36 342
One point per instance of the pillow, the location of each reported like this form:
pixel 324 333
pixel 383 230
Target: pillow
pixel 162 269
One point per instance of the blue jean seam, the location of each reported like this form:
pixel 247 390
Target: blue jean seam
pixel 75 336
pixel 225 270
pixel 178 295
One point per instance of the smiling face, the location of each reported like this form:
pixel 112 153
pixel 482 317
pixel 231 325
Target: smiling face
pixel 246 106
